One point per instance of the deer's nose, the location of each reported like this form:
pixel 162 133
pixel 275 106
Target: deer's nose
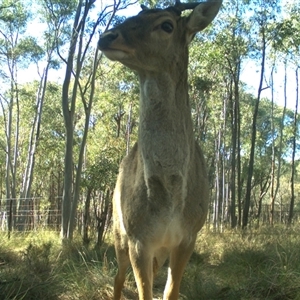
pixel 106 39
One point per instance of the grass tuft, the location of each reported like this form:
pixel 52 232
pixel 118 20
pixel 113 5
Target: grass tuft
pixel 260 264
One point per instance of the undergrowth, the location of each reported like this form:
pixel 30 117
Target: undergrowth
pixel 261 264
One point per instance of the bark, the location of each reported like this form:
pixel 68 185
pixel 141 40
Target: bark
pixel 280 147
pixel 273 165
pixel 8 164
pixel 239 167
pixel 86 217
pixel 235 142
pixel 87 110
pixel 264 187
pixel 292 202
pixel 224 187
pixel 118 118
pixel 234 67
pixel 233 159
pixel 68 114
pixel 72 189
pixel 103 216
pixel 33 144
pixel 11 151
pixel 253 135
pixel 217 182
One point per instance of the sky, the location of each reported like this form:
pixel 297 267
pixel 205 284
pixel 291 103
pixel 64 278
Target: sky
pixel 250 71
pixel 251 76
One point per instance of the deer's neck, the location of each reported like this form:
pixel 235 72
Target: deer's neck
pixel 164 102
pixel 165 128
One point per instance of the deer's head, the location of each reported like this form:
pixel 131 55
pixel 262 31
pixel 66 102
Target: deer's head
pixel 156 39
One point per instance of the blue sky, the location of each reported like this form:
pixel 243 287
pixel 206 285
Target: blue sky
pixel 250 70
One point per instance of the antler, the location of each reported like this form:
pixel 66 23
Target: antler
pixel 184 6
pixel 179 7
pixel 144 7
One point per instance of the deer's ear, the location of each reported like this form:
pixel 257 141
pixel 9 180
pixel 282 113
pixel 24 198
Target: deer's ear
pixel 202 16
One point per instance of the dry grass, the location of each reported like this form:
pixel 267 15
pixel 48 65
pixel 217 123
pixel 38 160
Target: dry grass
pixel 262 264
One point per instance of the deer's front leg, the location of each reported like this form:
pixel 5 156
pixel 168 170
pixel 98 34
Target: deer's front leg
pixel 142 265
pixel 123 263
pixel 178 259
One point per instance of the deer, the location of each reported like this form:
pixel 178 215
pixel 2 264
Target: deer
pixel 161 197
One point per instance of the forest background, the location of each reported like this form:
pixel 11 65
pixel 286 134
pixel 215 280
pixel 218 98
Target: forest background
pixel 68 115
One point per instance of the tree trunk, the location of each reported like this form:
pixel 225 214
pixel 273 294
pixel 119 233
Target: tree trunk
pixel 273 165
pixel 280 145
pixel 33 144
pixel 102 216
pixel 235 146
pixel 232 102
pixel 71 190
pixel 86 217
pixel 8 163
pixel 68 113
pixel 291 210
pixel 87 110
pixel 253 135
pixel 11 154
pixel 239 168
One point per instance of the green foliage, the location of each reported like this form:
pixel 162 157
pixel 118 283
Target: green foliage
pixel 263 264
pixel 59 9
pixel 102 174
pixel 29 48
pixel 217 58
pixel 57 15
pixel 286 36
pixel 157 3
pixel 14 14
pixel 37 257
pixel 30 274
pixel 233 265
pixel 37 266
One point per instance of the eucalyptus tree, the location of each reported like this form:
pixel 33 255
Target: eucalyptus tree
pixel 294 148
pixel 54 22
pixel 285 47
pixel 81 46
pixel 53 31
pixel 216 85
pixel 17 50
pixel 264 13
pixel 206 97
pixel 291 39
pixel 113 120
pixel 267 139
pixel 287 41
pixel 47 183
pixel 233 42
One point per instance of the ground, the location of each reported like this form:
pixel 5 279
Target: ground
pixel 234 264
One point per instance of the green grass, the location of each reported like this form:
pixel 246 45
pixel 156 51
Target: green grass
pixel 262 264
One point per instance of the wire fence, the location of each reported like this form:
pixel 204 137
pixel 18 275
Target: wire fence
pixel 38 213
pixel 28 214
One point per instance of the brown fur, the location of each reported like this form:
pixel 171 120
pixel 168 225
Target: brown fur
pixel 161 196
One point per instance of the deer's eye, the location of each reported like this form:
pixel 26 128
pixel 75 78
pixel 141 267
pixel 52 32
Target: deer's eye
pixel 167 27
